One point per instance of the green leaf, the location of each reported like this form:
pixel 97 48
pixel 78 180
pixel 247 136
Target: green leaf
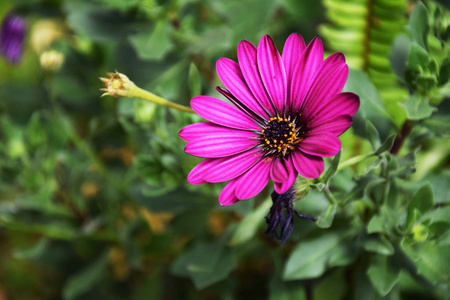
pixel 371 108
pixel 87 279
pixel 439 214
pixel 422 201
pixel 444 72
pixel 418 25
pixel 438 125
pixel 153 44
pixel 92 20
pixel 332 168
pixel 432 261
pixel 206 264
pixel 383 273
pixel 33 252
pixel 373 136
pixel 417 107
pixel 194 80
pixel 326 218
pixel 376 224
pixel 399 55
pixel 439 182
pixel 418 58
pixel 280 289
pixel 311 257
pixel 248 227
pixel 378 244
pixel 387 145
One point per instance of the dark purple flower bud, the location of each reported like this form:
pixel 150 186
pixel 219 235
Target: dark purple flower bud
pixel 280 220
pixel 12 36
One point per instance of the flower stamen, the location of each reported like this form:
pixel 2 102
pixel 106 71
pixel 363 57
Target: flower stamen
pixel 280 136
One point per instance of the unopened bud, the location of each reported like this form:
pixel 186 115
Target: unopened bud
pixel 302 186
pixel 118 85
pixel 51 60
pixel 44 33
pixel 420 232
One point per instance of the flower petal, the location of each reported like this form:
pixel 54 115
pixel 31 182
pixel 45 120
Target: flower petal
pixel 304 73
pixel 231 76
pixel 308 166
pixel 247 53
pixel 292 51
pixel 216 141
pixel 271 70
pixel 196 175
pixel 342 104
pixel 205 129
pixel 227 196
pixel 337 126
pixel 254 180
pixel 282 187
pixel 219 146
pixel 329 82
pixel 222 113
pixel 279 172
pixel 231 167
pixel 322 144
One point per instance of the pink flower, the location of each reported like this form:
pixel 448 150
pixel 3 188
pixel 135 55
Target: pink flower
pixel 288 113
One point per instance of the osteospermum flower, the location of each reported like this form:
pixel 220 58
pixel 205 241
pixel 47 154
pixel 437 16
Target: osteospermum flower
pixel 287 114
pixel 12 35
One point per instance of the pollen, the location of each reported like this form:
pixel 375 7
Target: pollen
pixel 280 136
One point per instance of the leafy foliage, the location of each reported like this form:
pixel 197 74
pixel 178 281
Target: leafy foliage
pixel 94 202
pixel 364 31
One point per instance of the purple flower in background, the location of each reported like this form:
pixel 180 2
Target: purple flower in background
pixel 288 113
pixel 12 36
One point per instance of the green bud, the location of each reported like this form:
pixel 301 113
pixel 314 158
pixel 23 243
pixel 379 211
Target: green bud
pixel 420 232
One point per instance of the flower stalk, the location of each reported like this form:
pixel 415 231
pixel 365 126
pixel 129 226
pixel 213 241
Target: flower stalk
pixel 355 160
pixel 119 85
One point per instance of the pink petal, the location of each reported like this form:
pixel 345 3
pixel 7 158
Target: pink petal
pixel 254 180
pixel 340 104
pixel 196 175
pixel 205 130
pixel 227 196
pixel 210 140
pixel 329 82
pixel 222 113
pixel 272 72
pixel 282 187
pixel 337 125
pixel 231 76
pixel 308 166
pixel 292 51
pixel 247 61
pixel 322 144
pixel 279 172
pixel 231 167
pixel 304 72
pixel 219 146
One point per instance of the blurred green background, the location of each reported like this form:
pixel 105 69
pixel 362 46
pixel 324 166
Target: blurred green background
pixel 94 202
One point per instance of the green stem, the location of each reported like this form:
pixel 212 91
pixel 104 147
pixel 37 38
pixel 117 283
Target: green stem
pixel 355 160
pixel 146 95
pixel 329 195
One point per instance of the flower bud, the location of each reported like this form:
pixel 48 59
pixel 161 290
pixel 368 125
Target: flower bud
pixel 51 60
pixel 44 33
pixel 420 233
pixel 117 85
